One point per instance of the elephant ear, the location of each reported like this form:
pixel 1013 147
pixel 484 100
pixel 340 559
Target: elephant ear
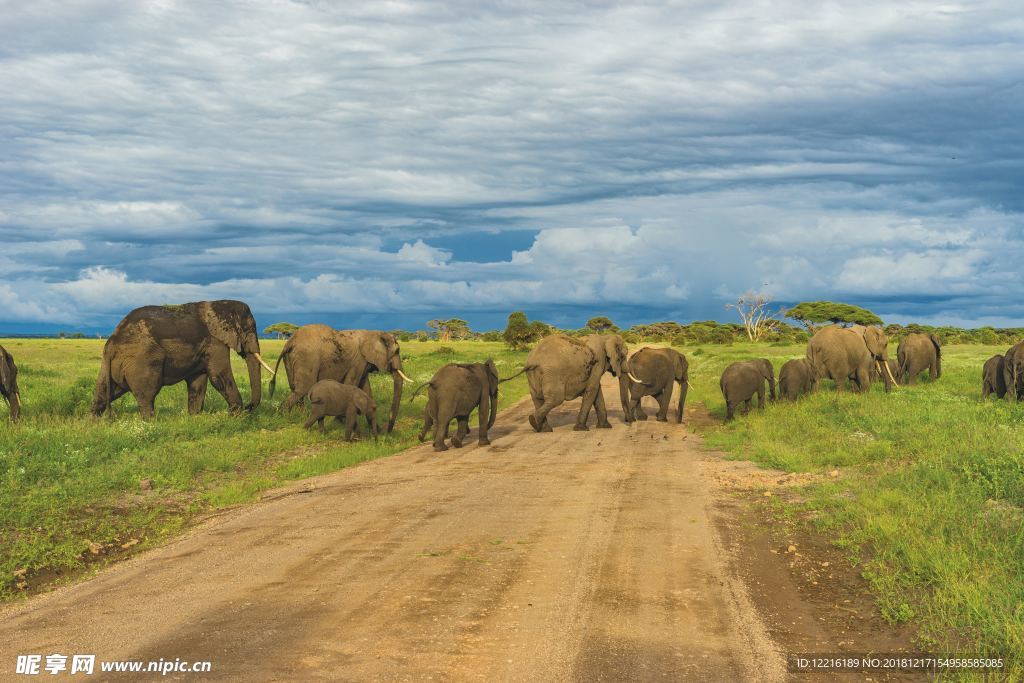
pixel 680 367
pixel 8 371
pixel 222 322
pixel 936 341
pixel 374 348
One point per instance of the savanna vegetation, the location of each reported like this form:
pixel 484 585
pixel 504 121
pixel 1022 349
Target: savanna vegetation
pixel 928 503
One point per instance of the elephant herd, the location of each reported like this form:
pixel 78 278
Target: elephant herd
pixel 156 346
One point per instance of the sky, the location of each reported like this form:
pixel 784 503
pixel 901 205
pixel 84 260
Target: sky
pixel 381 164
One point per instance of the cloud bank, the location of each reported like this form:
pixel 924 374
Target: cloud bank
pixel 383 163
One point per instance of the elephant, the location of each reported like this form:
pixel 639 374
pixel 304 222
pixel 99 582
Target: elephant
pixel 797 376
pixel 918 352
pixel 992 379
pixel 1013 372
pixel 329 398
pixel 841 353
pixel 9 383
pixel 742 379
pixel 454 391
pixel 654 372
pixel 156 346
pixel 561 368
pixel 317 352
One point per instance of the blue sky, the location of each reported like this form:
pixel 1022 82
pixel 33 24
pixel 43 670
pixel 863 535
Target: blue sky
pixel 381 164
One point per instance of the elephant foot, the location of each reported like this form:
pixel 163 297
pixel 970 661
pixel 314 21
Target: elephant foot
pixel 423 437
pixel 533 423
pixel 440 448
pixel 662 419
pixel 546 427
pixel 604 425
pixel 580 428
pixel 456 443
pixel 483 442
pixel 641 417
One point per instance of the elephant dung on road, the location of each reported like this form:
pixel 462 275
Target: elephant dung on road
pixel 9 383
pixel 317 352
pixel 842 353
pixel 156 346
pixel 454 392
pixel 742 380
pixel 797 377
pixel 918 352
pixel 655 372
pixel 992 379
pixel 329 398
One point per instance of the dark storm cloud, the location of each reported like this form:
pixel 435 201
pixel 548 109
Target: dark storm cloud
pixel 386 160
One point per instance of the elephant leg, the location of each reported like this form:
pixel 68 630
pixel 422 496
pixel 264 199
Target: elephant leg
pixel 912 380
pixel 445 413
pixel 197 393
pixel 428 422
pixel 350 421
pixel 223 380
pixel 730 410
pixel 539 421
pixel 760 397
pixel 664 398
pixel 314 417
pixel 602 411
pixel 638 408
pixel 747 405
pixel 460 433
pixel 863 380
pixel 634 407
pixel 590 394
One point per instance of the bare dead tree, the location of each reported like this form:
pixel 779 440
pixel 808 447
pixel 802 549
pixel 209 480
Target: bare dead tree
pixel 755 311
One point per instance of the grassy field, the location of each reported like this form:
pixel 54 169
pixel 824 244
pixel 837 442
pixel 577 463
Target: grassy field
pixel 70 494
pixel 929 502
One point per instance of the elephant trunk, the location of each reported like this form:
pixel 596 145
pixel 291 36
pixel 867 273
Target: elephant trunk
pixel 396 398
pixel 254 365
pixel 624 395
pixel 494 410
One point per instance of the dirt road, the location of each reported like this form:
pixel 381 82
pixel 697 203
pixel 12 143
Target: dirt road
pixel 544 557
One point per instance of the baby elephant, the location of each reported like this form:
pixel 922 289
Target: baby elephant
pixel 992 379
pixel 334 399
pixel 454 391
pixel 797 377
pixel 742 380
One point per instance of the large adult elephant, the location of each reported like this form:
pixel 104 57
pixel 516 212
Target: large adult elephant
pixel 317 352
pixel 842 353
pixel 611 353
pixel 919 352
pixel 562 368
pixel 9 383
pixel 156 346
pixel 1013 372
pixel 655 372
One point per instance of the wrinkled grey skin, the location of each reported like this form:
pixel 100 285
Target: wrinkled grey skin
pixel 797 377
pixel 156 346
pixel 9 383
pixel 454 392
pixel 343 402
pixel 992 379
pixel 842 353
pixel 659 369
pixel 561 369
pixel 1013 372
pixel 611 353
pixel 317 352
pixel 919 352
pixel 742 380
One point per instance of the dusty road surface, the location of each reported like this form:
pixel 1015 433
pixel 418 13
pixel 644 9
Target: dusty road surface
pixel 565 556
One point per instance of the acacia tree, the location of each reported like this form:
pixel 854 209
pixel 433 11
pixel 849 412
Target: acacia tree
pixel 820 312
pixel 520 333
pixel 754 309
pixel 447 330
pixel 282 330
pixel 602 325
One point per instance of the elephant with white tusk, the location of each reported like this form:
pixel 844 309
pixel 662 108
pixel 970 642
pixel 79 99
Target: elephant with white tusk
pixel 156 346
pixel 848 353
pixel 317 352
pixel 655 372
pixel 9 383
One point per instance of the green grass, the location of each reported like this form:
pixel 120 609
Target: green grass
pixel 930 499
pixel 68 481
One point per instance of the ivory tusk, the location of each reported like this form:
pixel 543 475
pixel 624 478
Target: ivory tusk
pixel 403 376
pixel 17 397
pixel 890 375
pixel 260 359
pixel 634 378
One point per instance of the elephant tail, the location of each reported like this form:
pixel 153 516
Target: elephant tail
pixel 525 369
pixel 273 379
pixel 418 390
